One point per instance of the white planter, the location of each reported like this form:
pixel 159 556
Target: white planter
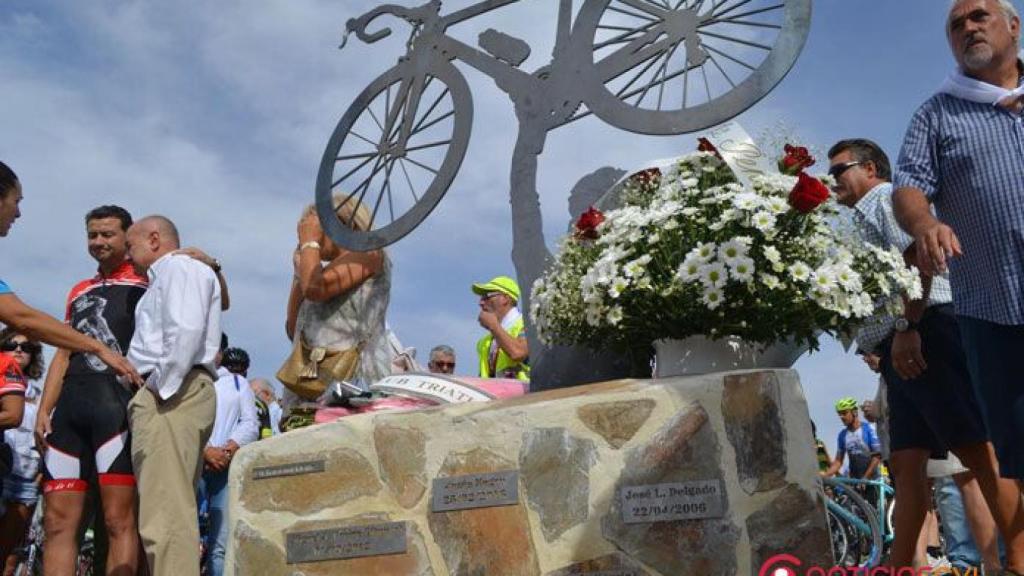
pixel 700 355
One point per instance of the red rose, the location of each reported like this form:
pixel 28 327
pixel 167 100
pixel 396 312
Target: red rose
pixel 586 226
pixel 705 145
pixel 649 176
pixel 808 193
pixel 796 159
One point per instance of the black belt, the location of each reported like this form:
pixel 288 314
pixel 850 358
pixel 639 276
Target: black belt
pixel 209 372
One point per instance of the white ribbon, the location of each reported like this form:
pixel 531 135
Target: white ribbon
pixel 740 152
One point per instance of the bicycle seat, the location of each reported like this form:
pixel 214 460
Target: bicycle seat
pixel 504 47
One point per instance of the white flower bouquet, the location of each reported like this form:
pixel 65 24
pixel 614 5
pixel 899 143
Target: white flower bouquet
pixel 693 252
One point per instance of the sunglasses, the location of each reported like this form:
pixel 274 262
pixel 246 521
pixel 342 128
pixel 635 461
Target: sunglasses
pixel 491 295
pixel 839 169
pixel 444 365
pixel 26 347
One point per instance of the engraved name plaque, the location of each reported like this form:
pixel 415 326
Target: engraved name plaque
pixel 347 542
pixel 674 501
pixel 476 491
pixel 293 469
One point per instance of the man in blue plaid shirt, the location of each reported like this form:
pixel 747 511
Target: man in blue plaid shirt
pixel 964 154
pixel 932 405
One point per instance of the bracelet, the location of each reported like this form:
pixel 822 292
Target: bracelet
pixel 310 244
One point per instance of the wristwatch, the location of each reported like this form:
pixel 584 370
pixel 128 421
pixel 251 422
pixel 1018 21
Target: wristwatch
pixel 216 266
pixel 903 325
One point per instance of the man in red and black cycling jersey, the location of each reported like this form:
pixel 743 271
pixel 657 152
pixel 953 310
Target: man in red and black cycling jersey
pixel 82 419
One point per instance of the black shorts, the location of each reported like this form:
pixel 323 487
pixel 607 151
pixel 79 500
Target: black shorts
pixel 992 351
pixel 937 410
pixel 90 435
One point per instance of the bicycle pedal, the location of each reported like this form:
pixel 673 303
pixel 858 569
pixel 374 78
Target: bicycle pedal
pixel 504 47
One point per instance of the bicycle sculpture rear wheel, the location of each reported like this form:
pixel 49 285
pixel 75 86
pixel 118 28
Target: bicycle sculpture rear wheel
pixel 674 66
pixel 394 152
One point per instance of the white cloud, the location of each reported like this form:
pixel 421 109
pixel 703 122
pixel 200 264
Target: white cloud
pixel 216 113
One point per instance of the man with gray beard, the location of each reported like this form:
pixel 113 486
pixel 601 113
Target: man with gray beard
pixel 963 154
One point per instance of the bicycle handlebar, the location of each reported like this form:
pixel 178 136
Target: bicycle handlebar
pixel 414 16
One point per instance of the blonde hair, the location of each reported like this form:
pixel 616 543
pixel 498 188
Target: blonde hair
pixel 351 212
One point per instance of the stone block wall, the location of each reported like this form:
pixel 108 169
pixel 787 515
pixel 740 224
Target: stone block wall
pixel 597 479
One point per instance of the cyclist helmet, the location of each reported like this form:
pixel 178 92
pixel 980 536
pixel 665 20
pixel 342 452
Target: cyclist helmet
pixel 235 359
pixel 844 404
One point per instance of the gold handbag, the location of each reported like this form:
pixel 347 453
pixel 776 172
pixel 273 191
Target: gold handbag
pixel 308 371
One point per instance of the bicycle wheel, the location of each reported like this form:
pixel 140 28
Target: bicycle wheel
pixel 674 66
pixel 840 540
pixel 394 152
pixel 863 530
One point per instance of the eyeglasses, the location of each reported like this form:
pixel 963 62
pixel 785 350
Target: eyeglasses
pixel 839 169
pixel 26 347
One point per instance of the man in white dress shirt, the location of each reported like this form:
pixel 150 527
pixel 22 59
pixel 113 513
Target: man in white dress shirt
pixel 176 340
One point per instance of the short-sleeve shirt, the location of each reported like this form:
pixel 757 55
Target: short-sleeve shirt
pixel 12 381
pixel 859 446
pixel 5 289
pixel 968 159
pixel 876 223
pixel 104 308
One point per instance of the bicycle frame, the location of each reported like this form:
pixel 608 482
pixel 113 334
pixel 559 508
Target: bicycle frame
pixel 430 45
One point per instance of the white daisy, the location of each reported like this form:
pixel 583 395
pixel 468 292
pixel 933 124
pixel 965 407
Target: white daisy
pixel 713 298
pixel 742 269
pixel 823 279
pixel 800 271
pixel 714 275
pixel 763 221
pixel 689 270
pixel 615 315
pixel 732 250
pixel 704 252
pixel 618 286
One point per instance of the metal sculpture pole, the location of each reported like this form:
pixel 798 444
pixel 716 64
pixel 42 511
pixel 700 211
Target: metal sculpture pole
pixel 654 67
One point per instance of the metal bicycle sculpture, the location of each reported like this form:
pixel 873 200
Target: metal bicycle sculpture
pixel 655 67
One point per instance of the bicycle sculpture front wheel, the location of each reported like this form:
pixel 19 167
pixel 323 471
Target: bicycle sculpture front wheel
pixel 393 155
pixel 674 66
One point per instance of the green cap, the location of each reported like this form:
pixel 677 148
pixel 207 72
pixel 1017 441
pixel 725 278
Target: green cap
pixel 844 404
pixel 503 284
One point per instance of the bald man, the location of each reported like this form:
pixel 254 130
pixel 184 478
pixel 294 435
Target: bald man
pixel 177 336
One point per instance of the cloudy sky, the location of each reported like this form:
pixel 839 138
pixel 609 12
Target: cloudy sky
pixel 216 114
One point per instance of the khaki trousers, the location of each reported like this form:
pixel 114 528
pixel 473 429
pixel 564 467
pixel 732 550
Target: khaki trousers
pixel 167 453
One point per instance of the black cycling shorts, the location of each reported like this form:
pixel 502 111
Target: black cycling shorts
pixel 90 435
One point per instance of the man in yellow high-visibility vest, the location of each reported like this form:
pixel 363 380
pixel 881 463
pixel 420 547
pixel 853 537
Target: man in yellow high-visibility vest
pixel 503 351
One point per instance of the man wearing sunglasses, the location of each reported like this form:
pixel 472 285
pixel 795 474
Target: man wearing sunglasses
pixel 442 359
pixel 503 351
pixel 932 405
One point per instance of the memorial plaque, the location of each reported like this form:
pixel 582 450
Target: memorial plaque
pixel 476 491
pixel 293 469
pixel 673 501
pixel 347 542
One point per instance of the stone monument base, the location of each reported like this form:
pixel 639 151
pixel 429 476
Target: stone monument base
pixel 708 475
